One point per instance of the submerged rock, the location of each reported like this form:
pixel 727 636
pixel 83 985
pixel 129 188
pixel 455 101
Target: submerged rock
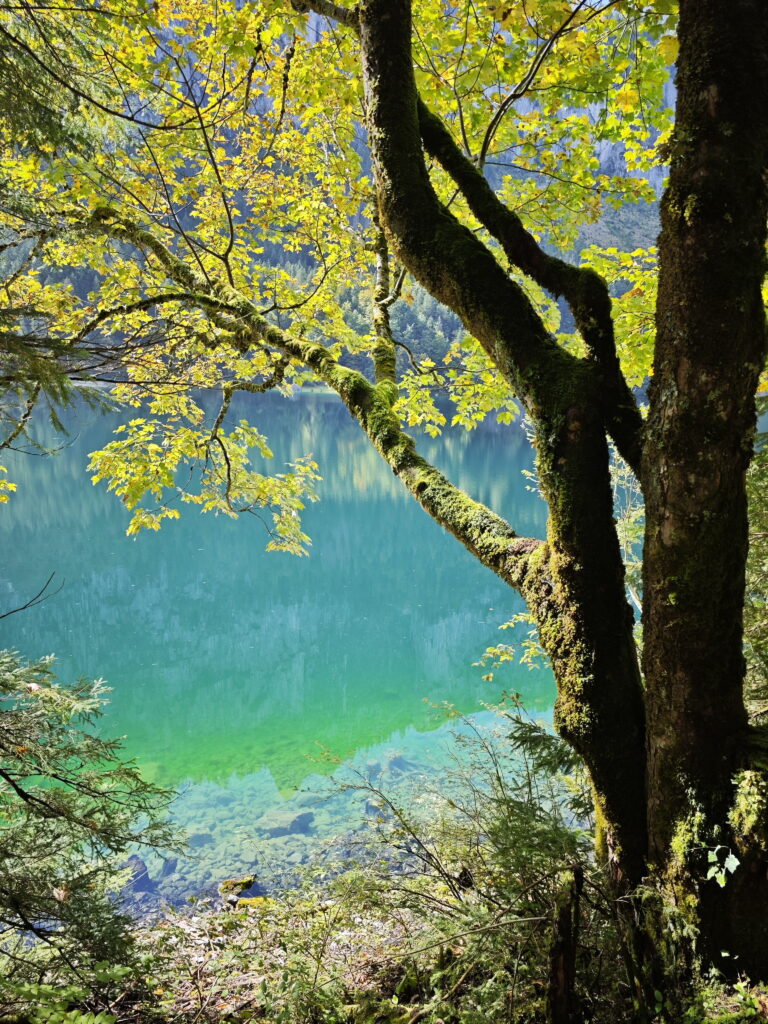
pixel 139 880
pixel 198 839
pixel 375 810
pixel 236 886
pixel 231 889
pixel 169 866
pixel 285 821
pixel 143 906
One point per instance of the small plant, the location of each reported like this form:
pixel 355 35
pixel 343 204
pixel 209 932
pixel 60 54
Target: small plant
pixel 55 1004
pixel 71 809
pixel 721 862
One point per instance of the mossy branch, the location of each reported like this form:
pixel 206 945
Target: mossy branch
pixel 484 533
pixel 343 15
pixel 584 290
pixel 383 352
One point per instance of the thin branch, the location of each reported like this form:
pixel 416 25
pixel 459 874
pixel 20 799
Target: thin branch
pixel 127 307
pixel 289 55
pixel 524 85
pixel 21 425
pixel 224 256
pixel 39 597
pixel 191 245
pixel 29 798
pixel 67 84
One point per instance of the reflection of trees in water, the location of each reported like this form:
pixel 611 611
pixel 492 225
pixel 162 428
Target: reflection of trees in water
pixel 486 462
pixel 211 643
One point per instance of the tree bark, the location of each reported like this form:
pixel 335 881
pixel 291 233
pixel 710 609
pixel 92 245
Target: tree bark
pixel 710 349
pixel 575 586
pixel 562 1001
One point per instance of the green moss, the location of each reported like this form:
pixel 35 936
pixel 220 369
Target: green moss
pixel 601 833
pixel 386 390
pixel 234 886
pixel 686 836
pixel 749 814
pixel 254 901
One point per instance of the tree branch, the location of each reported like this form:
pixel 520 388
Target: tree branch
pixel 484 533
pixel 14 42
pixel 125 308
pixel 20 426
pixel 39 597
pixel 383 352
pixel 520 90
pixel 349 16
pixel 584 290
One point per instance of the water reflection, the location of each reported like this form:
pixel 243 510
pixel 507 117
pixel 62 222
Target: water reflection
pixel 225 659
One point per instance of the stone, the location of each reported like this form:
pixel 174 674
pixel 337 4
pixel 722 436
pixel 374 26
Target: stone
pixel 236 886
pixel 198 839
pixel 139 880
pixel 169 866
pixel 285 821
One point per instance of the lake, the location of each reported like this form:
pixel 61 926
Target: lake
pixel 245 677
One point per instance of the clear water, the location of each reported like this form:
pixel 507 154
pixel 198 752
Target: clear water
pixel 234 671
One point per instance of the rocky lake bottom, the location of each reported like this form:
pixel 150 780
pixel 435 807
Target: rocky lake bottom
pixel 246 826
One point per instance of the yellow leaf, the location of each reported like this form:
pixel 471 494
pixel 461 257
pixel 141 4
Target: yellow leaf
pixel 668 47
pixel 626 97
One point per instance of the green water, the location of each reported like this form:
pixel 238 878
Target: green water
pixel 228 662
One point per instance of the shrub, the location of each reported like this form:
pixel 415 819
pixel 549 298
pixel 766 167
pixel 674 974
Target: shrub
pixel 71 808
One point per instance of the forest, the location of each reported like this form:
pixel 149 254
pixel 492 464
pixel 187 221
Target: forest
pixel 360 283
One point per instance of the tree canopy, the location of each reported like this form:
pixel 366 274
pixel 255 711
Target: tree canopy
pixel 250 171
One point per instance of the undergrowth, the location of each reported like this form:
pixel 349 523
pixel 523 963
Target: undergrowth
pixel 447 916
pixel 476 897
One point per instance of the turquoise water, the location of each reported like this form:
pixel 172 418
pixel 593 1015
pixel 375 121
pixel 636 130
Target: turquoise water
pixel 234 671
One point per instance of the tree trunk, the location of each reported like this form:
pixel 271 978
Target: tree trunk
pixel 574 585
pixel 586 627
pixel 710 349
pixel 562 1002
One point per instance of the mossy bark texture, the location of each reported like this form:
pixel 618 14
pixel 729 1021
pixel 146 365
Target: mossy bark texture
pixel 710 349
pixel 574 584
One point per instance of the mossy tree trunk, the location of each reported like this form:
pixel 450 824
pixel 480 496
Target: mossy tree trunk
pixel 710 349
pixel 574 584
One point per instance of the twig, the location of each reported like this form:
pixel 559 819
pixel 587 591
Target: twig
pixel 37 599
